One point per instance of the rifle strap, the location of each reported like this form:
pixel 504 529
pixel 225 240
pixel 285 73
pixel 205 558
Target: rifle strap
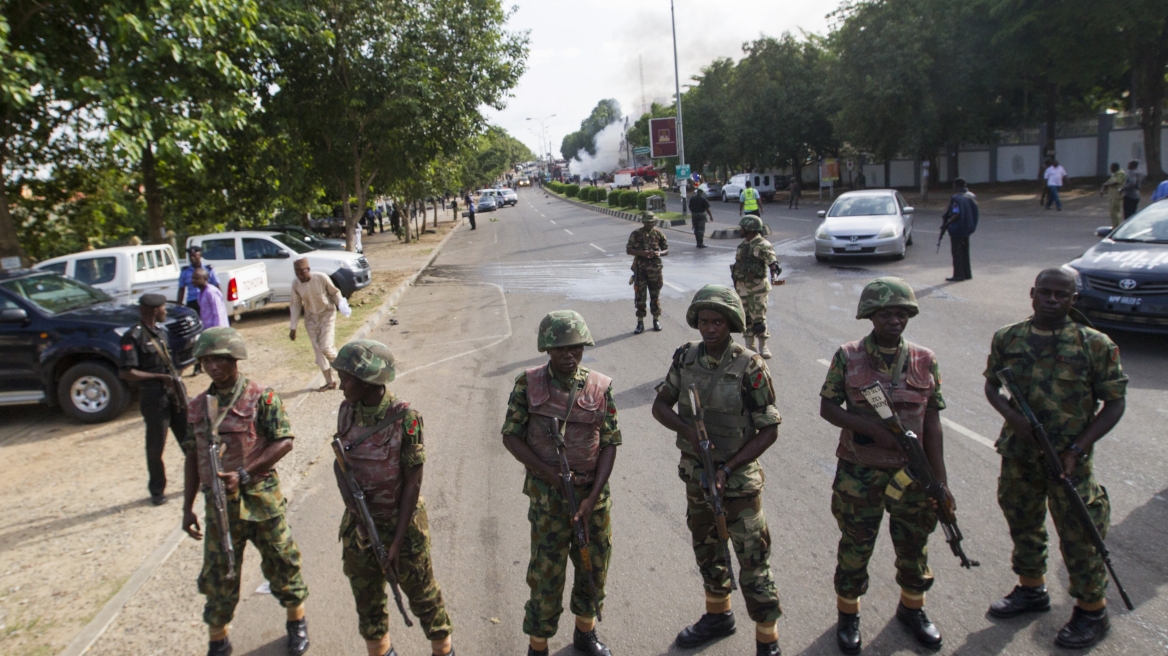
pixel 898 366
pixel 388 421
pixel 727 360
pixel 235 394
pixel 162 351
pixel 571 404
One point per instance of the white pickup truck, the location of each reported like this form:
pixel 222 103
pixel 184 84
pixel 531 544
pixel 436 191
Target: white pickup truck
pixel 128 272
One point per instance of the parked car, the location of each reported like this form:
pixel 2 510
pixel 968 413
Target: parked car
pixel 315 241
pixel 60 344
pixel 486 203
pixel 764 183
pixel 510 197
pixel 1123 280
pixel 277 251
pixel 712 189
pixel 871 222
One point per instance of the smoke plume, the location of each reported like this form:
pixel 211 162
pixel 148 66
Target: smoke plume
pixel 608 153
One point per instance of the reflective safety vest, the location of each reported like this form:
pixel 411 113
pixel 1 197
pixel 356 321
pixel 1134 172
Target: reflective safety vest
pixel 749 199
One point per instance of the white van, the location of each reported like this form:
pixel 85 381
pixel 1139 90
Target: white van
pixel 763 182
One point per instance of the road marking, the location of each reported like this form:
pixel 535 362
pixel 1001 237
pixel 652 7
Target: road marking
pixel 569 232
pixel 794 218
pixel 502 338
pixel 824 362
pixel 673 286
pixel 552 222
pixel 598 248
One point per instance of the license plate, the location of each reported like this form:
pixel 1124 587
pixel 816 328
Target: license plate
pixel 852 247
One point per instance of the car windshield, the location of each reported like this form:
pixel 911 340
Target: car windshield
pixel 292 242
pixel 55 294
pixel 863 206
pixel 1149 226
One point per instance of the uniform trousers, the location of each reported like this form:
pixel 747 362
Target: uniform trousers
pixel 160 416
pixel 321 329
pixel 959 246
pixel 699 225
pixel 755 297
pixel 647 283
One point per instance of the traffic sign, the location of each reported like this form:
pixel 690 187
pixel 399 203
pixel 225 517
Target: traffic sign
pixel 641 150
pixel 682 171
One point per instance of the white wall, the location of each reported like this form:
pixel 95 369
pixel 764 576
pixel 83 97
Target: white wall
pixel 874 175
pixel 1018 162
pixel 902 173
pixel 1125 145
pixel 974 166
pixel 1077 155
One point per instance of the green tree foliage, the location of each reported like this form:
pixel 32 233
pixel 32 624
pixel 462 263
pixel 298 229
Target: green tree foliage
pixel 491 155
pixel 604 114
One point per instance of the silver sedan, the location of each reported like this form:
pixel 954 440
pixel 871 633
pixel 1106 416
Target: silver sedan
pixel 869 222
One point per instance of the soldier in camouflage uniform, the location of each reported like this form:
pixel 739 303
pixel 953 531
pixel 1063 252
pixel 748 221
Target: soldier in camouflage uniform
pixel 738 399
pixel 591 436
pixel 753 262
pixel 1065 368
pixel 870 475
pixel 382 437
pixel 647 245
pixel 255 434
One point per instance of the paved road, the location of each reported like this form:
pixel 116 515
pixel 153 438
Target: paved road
pixel 468 329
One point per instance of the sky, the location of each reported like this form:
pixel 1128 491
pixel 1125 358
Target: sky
pixel 583 52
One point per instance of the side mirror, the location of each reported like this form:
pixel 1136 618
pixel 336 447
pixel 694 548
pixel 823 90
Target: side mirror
pixel 821 214
pixel 282 255
pixel 13 315
pixel 1103 231
pixel 907 210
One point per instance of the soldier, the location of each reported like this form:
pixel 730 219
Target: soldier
pixel 146 360
pixel 383 442
pixel 1065 368
pixel 591 437
pixel 870 476
pixel 742 422
pixel 647 246
pixel 254 431
pixel 754 259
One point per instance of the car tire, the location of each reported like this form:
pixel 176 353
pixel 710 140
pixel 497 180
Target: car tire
pixel 909 241
pixel 724 197
pixel 822 258
pixel 92 393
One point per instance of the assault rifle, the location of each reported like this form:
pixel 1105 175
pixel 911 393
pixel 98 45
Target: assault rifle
pixel 368 526
pixel 569 488
pixel 920 469
pixel 944 228
pixel 216 489
pixel 1054 467
pixel 710 481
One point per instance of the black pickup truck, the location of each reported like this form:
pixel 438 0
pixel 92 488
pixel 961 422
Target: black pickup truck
pixel 59 344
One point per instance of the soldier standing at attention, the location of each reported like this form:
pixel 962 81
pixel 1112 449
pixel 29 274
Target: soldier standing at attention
pixel 647 245
pixel 742 421
pixel 591 436
pixel 255 433
pixel 870 476
pixel 753 262
pixel 383 443
pixel 1065 368
pixel 146 360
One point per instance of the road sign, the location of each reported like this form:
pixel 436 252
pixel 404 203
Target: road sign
pixel 641 150
pixel 851 164
pixel 682 171
pixel 663 137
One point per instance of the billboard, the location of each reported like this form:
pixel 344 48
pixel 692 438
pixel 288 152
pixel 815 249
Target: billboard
pixel 829 171
pixel 663 137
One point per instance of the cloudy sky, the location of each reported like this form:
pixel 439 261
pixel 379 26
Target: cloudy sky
pixel 583 51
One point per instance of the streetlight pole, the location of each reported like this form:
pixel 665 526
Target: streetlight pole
pixel 684 187
pixel 543 130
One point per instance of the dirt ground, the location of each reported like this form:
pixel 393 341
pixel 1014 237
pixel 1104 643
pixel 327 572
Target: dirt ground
pixel 78 521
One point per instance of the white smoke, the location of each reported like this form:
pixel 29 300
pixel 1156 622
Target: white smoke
pixel 608 153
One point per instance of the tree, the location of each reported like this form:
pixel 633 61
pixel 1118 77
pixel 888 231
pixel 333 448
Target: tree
pixel 604 114
pixel 1145 31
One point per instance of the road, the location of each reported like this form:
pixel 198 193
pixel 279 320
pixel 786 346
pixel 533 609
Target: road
pixel 468 328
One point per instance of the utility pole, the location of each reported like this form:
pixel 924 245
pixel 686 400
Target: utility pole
pixel 684 186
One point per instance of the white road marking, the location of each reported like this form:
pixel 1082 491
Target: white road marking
pixel 569 232
pixel 552 222
pixel 598 248
pixel 502 338
pixel 794 218
pixel 823 362
pixel 673 286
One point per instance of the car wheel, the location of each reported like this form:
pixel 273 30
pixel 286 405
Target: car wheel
pixel 909 242
pixel 723 197
pixel 903 251
pixel 92 393
pixel 822 258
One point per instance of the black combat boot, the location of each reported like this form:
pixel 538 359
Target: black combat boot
pixel 710 626
pixel 532 652
pixel 656 324
pixel 586 642
pixel 767 648
pixel 219 647
pixel 1086 628
pixel 297 637
pixel 919 624
pixel 1022 599
pixel 847 633
pixel 640 327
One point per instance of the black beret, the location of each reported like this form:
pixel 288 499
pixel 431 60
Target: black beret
pixel 152 300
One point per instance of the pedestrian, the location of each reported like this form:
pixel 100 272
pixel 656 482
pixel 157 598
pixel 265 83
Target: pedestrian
pixel 1054 175
pixel 380 220
pixel 796 191
pixel 253 434
pixel 754 272
pixel 316 297
pixel 1131 189
pixel 738 400
pixel 370 221
pixel 647 245
pixel 358 231
pixel 960 221
pixel 395 220
pixel 1113 188
pixel 861 180
pixel 470 211
pixel 699 211
pixel 187 293
pixel 1045 186
pixel 212 309
pixel 454 208
pixel 749 201
pixel 1065 369
pixel 870 462
pixel 146 360
pixel 562 394
pixel 382 438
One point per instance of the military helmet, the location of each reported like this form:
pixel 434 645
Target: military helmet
pixel 221 340
pixel 887 292
pixel 648 217
pixel 563 328
pixel 751 223
pixel 368 360
pixel 720 299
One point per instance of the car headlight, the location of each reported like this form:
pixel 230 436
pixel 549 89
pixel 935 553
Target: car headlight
pixel 345 264
pixel 1074 273
pixel 821 233
pixel 890 230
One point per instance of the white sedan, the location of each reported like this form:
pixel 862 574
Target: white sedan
pixel 869 222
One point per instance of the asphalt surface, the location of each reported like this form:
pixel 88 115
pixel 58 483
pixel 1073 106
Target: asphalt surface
pixel 468 328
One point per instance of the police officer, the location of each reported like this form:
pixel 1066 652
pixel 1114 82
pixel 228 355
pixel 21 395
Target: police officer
pixel 754 271
pixel 146 360
pixel 870 477
pixel 555 390
pixel 647 245
pixel 382 437
pixel 742 421
pixel 254 433
pixel 748 201
pixel 1065 369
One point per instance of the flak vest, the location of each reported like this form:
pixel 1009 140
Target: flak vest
pixel 237 431
pixel 749 199
pixel 727 420
pixel 909 396
pixel 375 461
pixel 582 434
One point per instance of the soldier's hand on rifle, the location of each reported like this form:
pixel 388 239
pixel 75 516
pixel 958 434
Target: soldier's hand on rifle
pixel 1021 427
pixel 691 434
pixel 549 474
pixel 190 524
pixel 392 553
pixel 584 514
pixel 167 380
pixel 951 502
pixel 1070 462
pixel 720 480
pixel 230 481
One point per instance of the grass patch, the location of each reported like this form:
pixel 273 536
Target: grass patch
pixel 670 216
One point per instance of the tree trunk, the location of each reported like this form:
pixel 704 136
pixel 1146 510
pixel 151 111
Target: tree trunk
pixel 1052 91
pixel 9 240
pixel 350 219
pixel 155 227
pixel 1149 69
pixel 435 212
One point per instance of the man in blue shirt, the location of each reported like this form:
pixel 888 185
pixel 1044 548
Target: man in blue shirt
pixel 961 222
pixel 188 294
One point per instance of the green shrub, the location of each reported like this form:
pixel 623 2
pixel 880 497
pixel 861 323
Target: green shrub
pixel 628 198
pixel 642 198
pixel 594 193
pixel 601 194
pixel 614 198
pixel 571 190
pixel 585 193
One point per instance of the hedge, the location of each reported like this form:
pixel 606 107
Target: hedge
pixel 571 190
pixel 642 197
pixel 614 198
pixel 601 194
pixel 628 198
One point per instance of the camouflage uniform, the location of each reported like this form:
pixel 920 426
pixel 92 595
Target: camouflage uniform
pixel 647 278
pixel 751 275
pixel 755 400
pixel 1064 374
